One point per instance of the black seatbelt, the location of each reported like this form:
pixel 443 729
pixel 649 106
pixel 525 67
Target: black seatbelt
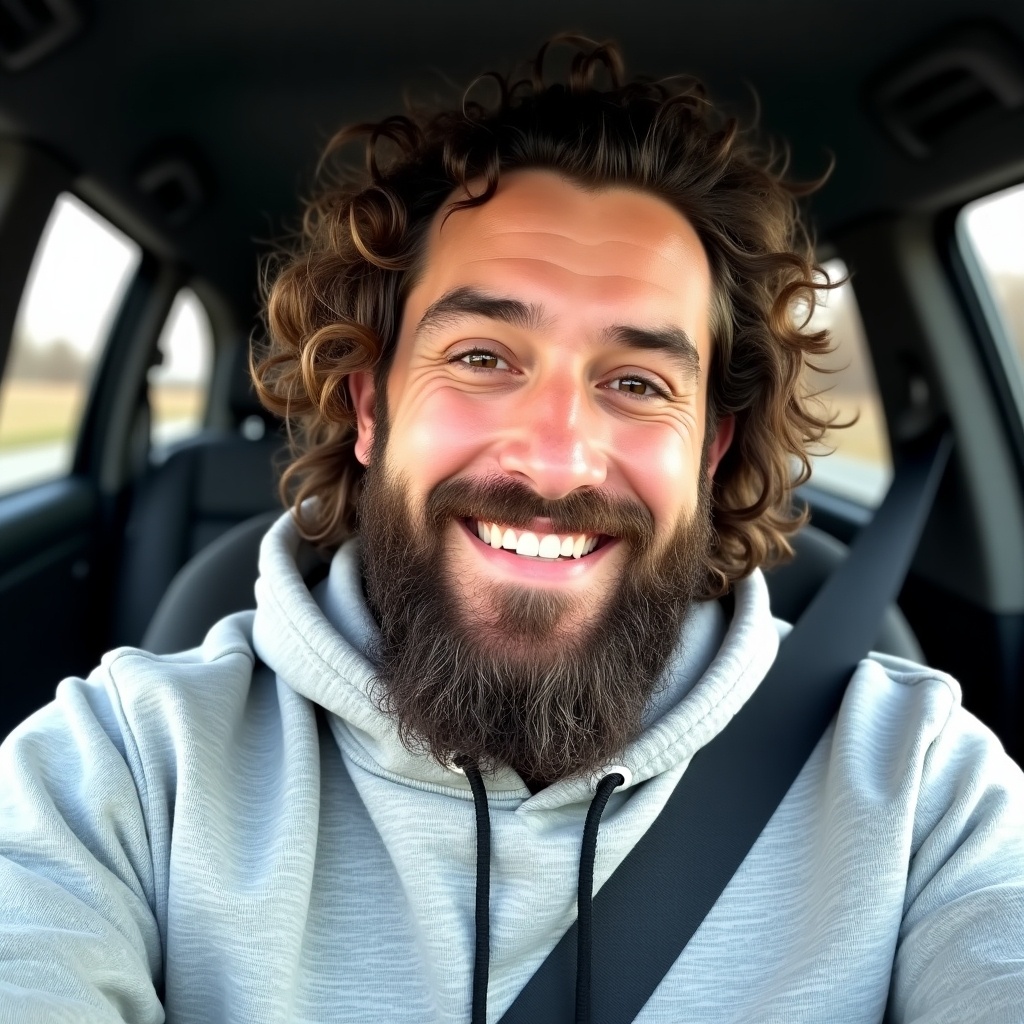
pixel 646 912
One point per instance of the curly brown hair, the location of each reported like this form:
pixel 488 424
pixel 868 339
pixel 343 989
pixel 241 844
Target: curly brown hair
pixel 333 302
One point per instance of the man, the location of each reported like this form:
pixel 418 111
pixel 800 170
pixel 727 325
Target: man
pixel 541 363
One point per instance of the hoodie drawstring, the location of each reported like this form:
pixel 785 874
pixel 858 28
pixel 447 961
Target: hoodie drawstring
pixel 584 892
pixel 482 957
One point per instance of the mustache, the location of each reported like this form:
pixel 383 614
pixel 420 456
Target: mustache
pixel 513 503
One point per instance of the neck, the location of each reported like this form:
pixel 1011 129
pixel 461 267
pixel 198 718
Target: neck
pixel 536 785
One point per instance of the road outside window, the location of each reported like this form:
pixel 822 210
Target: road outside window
pixel 993 230
pixel 179 385
pixel 78 280
pixel 854 462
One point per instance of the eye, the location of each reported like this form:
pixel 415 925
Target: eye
pixel 479 359
pixel 638 387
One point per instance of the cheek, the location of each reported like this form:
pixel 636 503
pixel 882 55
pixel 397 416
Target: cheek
pixel 661 468
pixel 440 437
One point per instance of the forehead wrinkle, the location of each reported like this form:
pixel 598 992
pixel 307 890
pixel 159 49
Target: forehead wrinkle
pixel 667 253
pixel 577 238
pixel 576 272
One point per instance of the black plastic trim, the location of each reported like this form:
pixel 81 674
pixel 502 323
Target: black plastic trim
pixel 838 516
pixel 31 30
pixel 34 520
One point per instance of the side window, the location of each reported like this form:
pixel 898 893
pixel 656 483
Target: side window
pixel 856 462
pixel 179 385
pixel 993 230
pixel 77 282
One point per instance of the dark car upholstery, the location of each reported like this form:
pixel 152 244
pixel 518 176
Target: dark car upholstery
pixel 200 490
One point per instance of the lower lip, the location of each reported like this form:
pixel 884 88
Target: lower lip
pixel 538 570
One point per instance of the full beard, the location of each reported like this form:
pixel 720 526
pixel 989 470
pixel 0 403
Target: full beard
pixel 535 684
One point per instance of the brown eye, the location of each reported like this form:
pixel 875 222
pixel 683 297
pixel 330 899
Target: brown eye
pixel 482 361
pixel 634 386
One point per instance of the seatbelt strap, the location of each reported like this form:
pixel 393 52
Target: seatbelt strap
pixel 646 912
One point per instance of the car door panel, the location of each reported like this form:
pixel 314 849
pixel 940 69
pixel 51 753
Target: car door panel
pixel 50 589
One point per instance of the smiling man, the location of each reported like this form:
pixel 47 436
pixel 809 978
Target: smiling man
pixel 541 366
pixel 542 435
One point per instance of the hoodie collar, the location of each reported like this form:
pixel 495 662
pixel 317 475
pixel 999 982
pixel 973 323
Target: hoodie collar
pixel 316 642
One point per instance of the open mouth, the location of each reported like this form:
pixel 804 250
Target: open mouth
pixel 548 547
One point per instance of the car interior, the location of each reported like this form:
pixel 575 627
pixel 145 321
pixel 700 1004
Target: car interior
pixel 153 157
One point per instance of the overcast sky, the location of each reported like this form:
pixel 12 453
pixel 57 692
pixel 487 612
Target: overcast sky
pixel 996 226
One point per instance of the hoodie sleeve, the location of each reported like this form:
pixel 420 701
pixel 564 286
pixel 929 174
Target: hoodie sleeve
pixel 961 951
pixel 79 940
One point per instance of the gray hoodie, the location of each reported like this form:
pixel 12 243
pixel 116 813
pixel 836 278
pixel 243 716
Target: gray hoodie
pixel 187 838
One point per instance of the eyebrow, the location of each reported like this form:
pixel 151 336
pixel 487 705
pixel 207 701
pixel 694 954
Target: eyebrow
pixel 673 340
pixel 467 303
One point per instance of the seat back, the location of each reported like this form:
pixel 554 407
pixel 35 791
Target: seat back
pixel 216 582
pixel 793 585
pixel 199 491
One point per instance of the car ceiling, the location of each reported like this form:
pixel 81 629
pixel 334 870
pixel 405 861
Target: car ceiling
pixel 253 90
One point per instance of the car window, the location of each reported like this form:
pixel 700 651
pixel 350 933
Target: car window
pixel 179 384
pixel 78 279
pixel 992 229
pixel 854 461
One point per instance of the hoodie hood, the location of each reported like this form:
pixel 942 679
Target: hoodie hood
pixel 316 642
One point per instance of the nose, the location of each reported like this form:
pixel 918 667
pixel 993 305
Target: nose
pixel 556 443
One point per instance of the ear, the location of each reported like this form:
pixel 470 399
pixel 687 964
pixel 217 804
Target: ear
pixel 363 394
pixel 720 442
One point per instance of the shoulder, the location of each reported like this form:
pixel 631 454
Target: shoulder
pixel 164 698
pixel 891 701
pixel 224 659
pixel 908 720
pixel 894 686
pixel 137 702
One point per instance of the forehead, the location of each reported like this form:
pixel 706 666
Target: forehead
pixel 607 255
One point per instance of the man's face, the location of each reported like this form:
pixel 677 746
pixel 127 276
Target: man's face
pixel 558 338
pixel 549 380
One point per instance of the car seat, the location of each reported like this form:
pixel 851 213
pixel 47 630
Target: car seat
pixel 201 489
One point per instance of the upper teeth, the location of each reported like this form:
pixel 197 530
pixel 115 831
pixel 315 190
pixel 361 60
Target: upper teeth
pixel 532 545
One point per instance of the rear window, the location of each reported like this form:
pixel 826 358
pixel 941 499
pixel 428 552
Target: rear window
pixel 179 385
pixel 854 462
pixel 992 233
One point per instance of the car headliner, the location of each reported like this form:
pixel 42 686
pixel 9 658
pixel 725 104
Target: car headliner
pixel 257 88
